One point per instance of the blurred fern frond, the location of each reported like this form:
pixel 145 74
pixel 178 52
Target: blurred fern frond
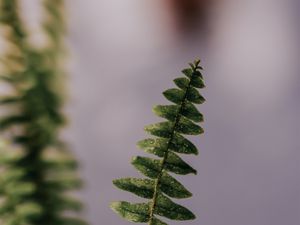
pixel 169 141
pixel 37 179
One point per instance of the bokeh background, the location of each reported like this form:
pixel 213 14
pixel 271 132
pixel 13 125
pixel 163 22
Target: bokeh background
pixel 124 53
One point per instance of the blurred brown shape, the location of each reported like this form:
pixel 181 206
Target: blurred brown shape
pixel 190 16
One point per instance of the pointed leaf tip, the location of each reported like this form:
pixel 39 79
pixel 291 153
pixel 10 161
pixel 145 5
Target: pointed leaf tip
pixel 197 62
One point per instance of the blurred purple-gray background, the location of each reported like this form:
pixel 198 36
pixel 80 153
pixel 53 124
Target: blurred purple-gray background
pixel 124 53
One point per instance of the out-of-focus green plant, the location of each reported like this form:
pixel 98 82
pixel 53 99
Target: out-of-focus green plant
pixel 169 140
pixel 36 179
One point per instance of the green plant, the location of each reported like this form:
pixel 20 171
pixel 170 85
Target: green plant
pixel 38 170
pixel 169 141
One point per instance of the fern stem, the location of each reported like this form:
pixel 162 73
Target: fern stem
pixel 166 153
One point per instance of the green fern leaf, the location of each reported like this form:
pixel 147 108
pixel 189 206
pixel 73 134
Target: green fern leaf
pixel 169 140
pixel 138 213
pixel 167 208
pixel 174 95
pixel 37 179
pixel 141 187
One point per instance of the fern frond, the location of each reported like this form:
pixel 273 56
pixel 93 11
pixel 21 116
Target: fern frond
pixel 37 179
pixel 169 140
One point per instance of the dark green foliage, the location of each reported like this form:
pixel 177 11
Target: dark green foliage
pixel 160 186
pixel 37 173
